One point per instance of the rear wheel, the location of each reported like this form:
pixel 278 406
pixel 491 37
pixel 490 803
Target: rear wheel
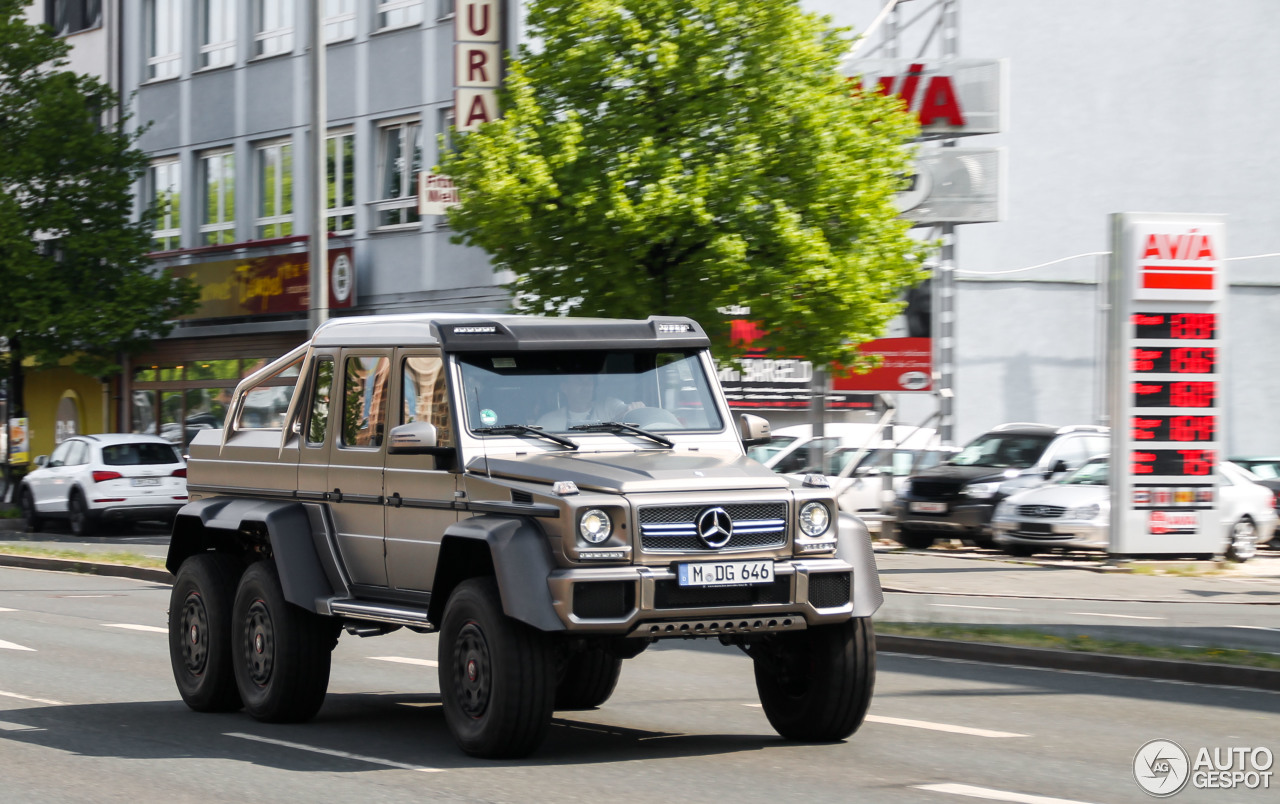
pixel 589 678
pixel 497 675
pixel 79 516
pixel 200 632
pixel 281 652
pixel 29 512
pixel 914 539
pixel 815 685
pixel 1243 541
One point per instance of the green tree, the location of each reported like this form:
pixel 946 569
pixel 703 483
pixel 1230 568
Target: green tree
pixel 78 287
pixel 686 156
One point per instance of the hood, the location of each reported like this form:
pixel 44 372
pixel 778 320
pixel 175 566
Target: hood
pixel 1066 495
pixel 642 471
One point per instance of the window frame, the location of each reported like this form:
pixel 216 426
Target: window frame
pixel 405 206
pixel 339 21
pixel 211 231
pixel 212 55
pixel 169 236
pixel 280 197
pixel 277 41
pixel 89 16
pixel 312 393
pixel 167 65
pixel 340 181
pixel 387 400
pixel 385 8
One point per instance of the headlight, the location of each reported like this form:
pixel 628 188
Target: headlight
pixel 1084 512
pixel 980 491
pixel 595 526
pixel 814 519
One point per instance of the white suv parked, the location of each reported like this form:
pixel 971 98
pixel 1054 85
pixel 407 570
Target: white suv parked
pixel 105 478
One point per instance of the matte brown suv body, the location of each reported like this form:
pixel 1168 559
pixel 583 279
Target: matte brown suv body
pixel 548 494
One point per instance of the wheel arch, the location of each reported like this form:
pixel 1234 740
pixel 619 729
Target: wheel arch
pixel 854 546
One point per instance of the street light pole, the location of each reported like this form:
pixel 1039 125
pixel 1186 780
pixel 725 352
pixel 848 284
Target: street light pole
pixel 318 309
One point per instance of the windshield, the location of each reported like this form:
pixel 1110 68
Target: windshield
pixel 1093 473
pixel 1016 451
pixel 764 452
pixel 559 391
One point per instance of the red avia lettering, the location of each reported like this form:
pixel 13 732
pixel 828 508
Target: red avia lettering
pixel 1181 247
pixel 937 104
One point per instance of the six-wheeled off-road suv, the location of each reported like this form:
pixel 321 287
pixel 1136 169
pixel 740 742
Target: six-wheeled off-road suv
pixel 549 495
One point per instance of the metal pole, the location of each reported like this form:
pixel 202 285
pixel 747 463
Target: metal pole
pixel 945 277
pixel 319 243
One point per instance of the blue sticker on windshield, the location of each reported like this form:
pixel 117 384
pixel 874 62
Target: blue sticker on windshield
pixel 488 418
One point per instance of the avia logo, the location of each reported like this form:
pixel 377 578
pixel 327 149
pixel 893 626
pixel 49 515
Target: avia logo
pixel 936 104
pixel 1195 259
pixel 1162 522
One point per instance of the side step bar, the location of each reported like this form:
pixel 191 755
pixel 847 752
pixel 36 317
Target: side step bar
pixel 380 613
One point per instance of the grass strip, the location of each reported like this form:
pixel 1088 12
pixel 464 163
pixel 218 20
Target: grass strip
pixel 1028 638
pixel 128 559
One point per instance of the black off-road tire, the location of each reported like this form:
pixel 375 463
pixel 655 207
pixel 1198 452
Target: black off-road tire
pixel 1020 550
pixel 79 517
pixel 29 512
pixel 815 685
pixel 497 675
pixel 281 652
pixel 914 539
pixel 588 680
pixel 200 632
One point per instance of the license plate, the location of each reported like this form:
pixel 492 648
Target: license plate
pixel 1035 527
pixel 928 507
pixel 725 573
pixel 145 481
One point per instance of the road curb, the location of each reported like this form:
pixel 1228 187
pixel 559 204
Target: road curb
pixel 86 567
pixel 1134 666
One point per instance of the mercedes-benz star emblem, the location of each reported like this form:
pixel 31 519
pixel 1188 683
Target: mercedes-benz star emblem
pixel 715 527
pixel 1042 510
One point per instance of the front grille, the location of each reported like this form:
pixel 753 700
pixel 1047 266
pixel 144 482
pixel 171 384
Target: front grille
pixel 674 528
pixel 604 600
pixel 827 590
pixel 935 489
pixel 1041 511
pixel 669 594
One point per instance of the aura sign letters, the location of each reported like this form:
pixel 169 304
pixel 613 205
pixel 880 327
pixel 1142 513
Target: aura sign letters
pixel 477 63
pixel 1167 290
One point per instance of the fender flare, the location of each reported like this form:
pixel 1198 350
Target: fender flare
pixel 521 559
pixel 229 524
pixel 853 545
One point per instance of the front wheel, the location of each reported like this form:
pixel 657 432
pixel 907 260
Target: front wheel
pixel 914 539
pixel 200 632
pixel 588 679
pixel 497 675
pixel 815 685
pixel 281 652
pixel 1243 544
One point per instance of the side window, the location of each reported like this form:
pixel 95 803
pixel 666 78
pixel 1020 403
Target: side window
pixel 1072 451
pixel 79 454
pixel 266 404
pixel 364 401
pixel 322 390
pixel 425 396
pixel 59 456
pixel 1096 445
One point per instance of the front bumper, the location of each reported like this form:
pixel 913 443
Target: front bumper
pixel 960 517
pixel 643 601
pixel 1064 533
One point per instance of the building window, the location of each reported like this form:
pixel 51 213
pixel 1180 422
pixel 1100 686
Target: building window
pixel 164 38
pixel 166 196
pixel 399 160
pixel 340 208
pixel 219 192
pixel 339 20
pixel 217 32
pixel 445 120
pixel 274 165
pixel 446 9
pixel 72 16
pixel 399 13
pixel 272 27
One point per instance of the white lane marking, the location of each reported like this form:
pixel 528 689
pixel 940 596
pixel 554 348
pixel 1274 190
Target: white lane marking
pixel 993 795
pixel 6 726
pixel 155 629
pixel 330 752
pixel 29 698
pixel 1249 627
pixel 2 608
pixel 947 727
pixel 1117 616
pixel 406 660
pixel 14 646
pixel 958 606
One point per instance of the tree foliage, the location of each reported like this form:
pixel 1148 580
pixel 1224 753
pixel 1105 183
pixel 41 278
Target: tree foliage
pixel 78 286
pixel 687 156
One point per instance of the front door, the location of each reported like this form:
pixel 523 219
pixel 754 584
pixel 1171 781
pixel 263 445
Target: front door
pixel 420 488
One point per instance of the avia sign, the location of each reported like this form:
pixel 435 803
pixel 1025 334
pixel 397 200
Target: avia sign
pixel 955 97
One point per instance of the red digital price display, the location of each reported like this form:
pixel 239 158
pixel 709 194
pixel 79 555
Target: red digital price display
pixel 1177 462
pixel 1175 326
pixel 1175 359
pixel 1174 394
pixel 1174 428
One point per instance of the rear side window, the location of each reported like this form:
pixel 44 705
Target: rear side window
pixel 364 405
pixel 139 454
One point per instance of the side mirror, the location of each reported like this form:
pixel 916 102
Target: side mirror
pixel 1058 468
pixel 41 460
pixel 414 438
pixel 754 430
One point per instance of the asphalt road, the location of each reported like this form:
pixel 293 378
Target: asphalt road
pixel 88 712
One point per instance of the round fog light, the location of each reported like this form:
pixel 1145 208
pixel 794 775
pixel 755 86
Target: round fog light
pixel 595 526
pixel 814 519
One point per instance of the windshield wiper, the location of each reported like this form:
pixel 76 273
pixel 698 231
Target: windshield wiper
pixel 524 429
pixel 623 427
